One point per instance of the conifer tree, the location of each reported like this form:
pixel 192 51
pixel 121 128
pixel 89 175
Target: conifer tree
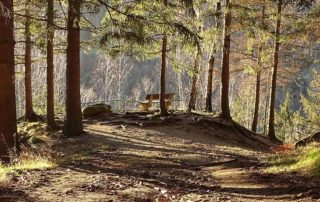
pixel 271 130
pixel 50 65
pixel 163 109
pixel 30 114
pixel 8 127
pixel 73 122
pixel 212 60
pixel 194 79
pixel 258 76
pixel 225 74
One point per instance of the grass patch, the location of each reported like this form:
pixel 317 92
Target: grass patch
pixel 35 155
pixel 305 160
pixel 23 164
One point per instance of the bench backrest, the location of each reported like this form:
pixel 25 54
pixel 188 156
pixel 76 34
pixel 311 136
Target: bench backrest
pixel 168 96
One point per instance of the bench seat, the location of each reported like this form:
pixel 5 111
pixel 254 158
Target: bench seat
pixel 155 98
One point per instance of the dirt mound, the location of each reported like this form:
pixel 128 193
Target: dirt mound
pixel 194 128
pixel 230 132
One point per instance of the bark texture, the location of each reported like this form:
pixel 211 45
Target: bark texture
pixel 29 114
pixel 193 90
pixel 73 123
pixel 8 127
pixel 257 103
pixel 258 79
pixel 271 130
pixel 225 74
pixel 163 109
pixel 50 66
pixel 212 61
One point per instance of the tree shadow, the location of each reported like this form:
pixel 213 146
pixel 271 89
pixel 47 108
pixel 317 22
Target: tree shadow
pixel 163 171
pixel 12 195
pixel 169 176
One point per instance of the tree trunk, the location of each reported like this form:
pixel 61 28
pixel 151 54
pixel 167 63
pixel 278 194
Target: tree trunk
pixel 50 66
pixel 225 111
pixel 271 132
pixel 211 62
pixel 8 128
pixel 73 123
pixel 257 103
pixel 267 103
pixel 258 81
pixel 193 90
pixel 209 85
pixel 163 109
pixel 30 114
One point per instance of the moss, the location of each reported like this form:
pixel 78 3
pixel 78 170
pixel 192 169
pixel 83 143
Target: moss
pixel 305 160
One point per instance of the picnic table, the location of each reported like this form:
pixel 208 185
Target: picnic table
pixel 146 104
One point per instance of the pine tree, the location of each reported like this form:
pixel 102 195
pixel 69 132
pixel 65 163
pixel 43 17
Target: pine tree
pixel 8 127
pixel 194 79
pixel 258 76
pixel 163 109
pixel 30 114
pixel 212 60
pixel 73 123
pixel 271 130
pixel 284 119
pixel 50 66
pixel 225 74
pixel 135 29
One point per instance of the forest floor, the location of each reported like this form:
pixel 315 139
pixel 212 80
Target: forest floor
pixel 140 159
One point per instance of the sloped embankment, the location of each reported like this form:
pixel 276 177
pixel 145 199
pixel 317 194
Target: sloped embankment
pixel 197 127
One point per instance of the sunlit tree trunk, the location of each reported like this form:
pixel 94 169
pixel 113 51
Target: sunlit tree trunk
pixel 50 66
pixel 8 127
pixel 271 131
pixel 29 114
pixel 211 62
pixel 163 109
pixel 73 123
pixel 225 74
pixel 193 90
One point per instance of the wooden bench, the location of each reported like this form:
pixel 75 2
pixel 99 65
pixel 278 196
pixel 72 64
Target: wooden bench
pixel 155 98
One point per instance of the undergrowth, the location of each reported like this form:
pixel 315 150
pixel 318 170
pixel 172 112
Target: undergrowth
pixel 26 161
pixel 305 160
pixel 34 140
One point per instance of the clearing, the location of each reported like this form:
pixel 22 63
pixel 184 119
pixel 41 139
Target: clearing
pixel 181 158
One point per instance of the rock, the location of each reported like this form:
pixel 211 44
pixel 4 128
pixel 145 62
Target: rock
pixel 312 138
pixel 97 110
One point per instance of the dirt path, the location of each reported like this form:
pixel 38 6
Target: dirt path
pixel 175 162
